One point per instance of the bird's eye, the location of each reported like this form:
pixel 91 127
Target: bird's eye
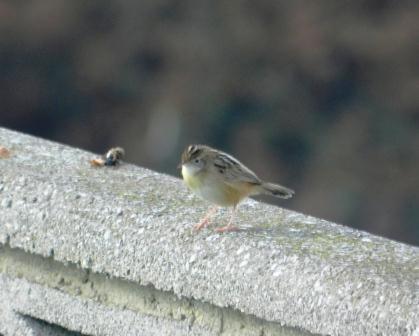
pixel 197 160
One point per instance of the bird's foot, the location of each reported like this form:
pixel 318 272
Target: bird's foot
pixel 206 220
pixel 202 224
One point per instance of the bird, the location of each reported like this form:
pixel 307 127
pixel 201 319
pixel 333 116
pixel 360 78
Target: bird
pixel 224 181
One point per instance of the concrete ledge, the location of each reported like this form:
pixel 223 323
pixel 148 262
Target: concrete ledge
pixel 14 323
pixel 41 287
pixel 127 231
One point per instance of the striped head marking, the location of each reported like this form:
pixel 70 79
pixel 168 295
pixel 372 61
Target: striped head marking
pixel 191 152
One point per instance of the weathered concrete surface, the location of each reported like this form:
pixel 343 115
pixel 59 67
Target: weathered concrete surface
pixel 86 316
pixel 13 323
pixel 135 225
pixel 96 304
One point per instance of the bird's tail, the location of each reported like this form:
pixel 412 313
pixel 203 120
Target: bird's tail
pixel 275 190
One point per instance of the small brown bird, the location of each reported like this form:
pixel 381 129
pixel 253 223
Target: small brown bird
pixel 221 179
pixel 111 158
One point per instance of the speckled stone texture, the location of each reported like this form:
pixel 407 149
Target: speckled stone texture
pixel 135 224
pixel 86 316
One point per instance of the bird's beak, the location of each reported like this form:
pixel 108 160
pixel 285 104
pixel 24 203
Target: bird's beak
pixel 179 166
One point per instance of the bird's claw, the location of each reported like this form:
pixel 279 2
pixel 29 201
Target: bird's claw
pixel 203 224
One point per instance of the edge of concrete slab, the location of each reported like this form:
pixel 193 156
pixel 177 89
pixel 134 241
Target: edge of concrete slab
pixel 133 226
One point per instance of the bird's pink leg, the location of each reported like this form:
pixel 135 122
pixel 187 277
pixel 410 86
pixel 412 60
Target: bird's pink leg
pixel 207 219
pixel 229 227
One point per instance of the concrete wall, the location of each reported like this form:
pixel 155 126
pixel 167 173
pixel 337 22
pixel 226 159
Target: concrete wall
pixel 109 251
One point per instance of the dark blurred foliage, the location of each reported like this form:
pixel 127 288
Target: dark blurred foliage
pixel 322 96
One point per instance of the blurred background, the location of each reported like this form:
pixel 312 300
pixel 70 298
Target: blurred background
pixel 322 96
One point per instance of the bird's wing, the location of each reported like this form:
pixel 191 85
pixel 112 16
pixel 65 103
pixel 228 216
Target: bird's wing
pixel 233 170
